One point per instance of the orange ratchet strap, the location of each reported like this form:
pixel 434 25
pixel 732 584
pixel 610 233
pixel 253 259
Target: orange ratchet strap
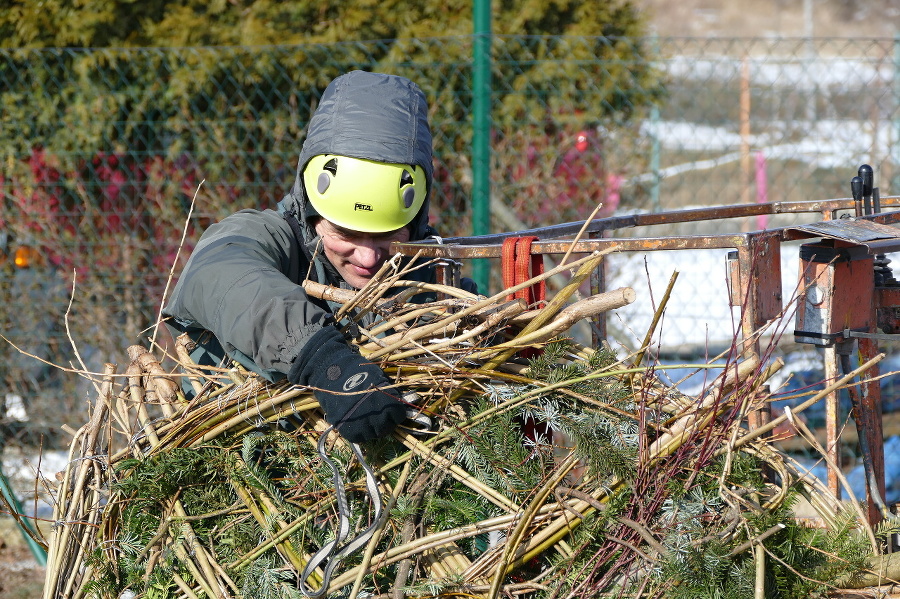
pixel 519 266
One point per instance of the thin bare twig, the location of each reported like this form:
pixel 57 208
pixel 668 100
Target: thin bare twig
pixel 165 292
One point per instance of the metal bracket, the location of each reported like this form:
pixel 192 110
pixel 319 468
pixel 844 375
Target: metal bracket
pixel 880 336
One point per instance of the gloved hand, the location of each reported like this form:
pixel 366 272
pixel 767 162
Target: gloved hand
pixel 346 385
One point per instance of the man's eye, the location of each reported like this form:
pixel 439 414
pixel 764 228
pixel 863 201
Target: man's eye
pixel 343 235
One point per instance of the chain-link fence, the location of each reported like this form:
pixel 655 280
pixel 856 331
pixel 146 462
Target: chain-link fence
pixel 104 152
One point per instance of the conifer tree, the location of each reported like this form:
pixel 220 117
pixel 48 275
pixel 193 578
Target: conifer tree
pixel 178 23
pixel 114 111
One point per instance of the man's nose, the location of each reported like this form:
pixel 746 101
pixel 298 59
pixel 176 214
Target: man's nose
pixel 369 253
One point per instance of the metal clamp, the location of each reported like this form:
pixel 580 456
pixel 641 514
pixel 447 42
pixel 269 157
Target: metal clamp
pixel 333 552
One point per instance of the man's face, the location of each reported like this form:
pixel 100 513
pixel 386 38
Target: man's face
pixel 357 256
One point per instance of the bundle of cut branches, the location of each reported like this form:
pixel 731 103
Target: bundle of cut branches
pixel 566 473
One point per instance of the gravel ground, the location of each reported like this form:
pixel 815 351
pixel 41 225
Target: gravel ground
pixel 20 575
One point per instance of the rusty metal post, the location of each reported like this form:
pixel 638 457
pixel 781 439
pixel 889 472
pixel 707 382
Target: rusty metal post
pixel 870 415
pixel 598 285
pixel 447 272
pixel 759 268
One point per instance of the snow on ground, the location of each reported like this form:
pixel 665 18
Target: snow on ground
pixel 856 477
pixel 825 143
pixel 790 74
pixel 698 312
pixel 30 474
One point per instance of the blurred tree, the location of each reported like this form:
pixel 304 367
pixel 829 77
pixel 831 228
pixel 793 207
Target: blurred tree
pixel 180 23
pixel 113 111
pixel 228 84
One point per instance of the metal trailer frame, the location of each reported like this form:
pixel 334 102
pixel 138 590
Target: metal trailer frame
pixel 757 290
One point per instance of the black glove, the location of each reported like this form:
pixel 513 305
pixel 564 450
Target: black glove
pixel 346 384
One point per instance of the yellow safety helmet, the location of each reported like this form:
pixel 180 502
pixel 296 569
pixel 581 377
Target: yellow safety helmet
pixel 364 195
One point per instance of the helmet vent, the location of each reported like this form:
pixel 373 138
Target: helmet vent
pixel 323 182
pixel 409 196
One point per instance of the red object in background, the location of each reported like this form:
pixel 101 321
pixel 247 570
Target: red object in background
pixel 581 141
pixel 561 177
pixel 585 178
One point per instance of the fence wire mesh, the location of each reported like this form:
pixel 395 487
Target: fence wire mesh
pixel 104 152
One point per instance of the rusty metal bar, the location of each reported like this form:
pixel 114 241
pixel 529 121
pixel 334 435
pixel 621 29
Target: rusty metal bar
pixel 585 246
pixel 759 275
pixel 598 285
pixel 828 208
pixel 489 246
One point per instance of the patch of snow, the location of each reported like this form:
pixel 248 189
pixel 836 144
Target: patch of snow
pixel 30 475
pixel 15 408
pixel 698 311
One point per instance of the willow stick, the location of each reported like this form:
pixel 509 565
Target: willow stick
pixel 704 412
pixel 399 321
pixel 135 370
pixel 501 297
pixel 440 538
pixel 217 418
pixel 196 572
pixel 342 296
pixel 370 287
pixel 513 540
pixel 58 550
pixel 449 321
pixel 285 548
pixel 838 384
pixel 569 316
pixel 199 551
pixel 585 268
pixel 585 307
pixel 454 470
pixel 581 231
pixel 557 530
pixel 810 438
pixel 158 379
pixel 380 284
pixel 657 316
pixel 185 588
pixel 488 325
pixel 276 537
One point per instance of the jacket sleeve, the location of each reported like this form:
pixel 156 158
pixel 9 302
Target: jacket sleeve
pixel 242 284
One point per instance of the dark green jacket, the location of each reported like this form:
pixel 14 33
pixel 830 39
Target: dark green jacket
pixel 240 292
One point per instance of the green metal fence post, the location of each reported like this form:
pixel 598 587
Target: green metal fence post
pixel 481 132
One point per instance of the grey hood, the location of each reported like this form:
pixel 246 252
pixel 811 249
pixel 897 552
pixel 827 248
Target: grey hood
pixel 371 116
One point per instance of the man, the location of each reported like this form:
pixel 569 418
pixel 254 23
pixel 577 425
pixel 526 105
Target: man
pixel 363 181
